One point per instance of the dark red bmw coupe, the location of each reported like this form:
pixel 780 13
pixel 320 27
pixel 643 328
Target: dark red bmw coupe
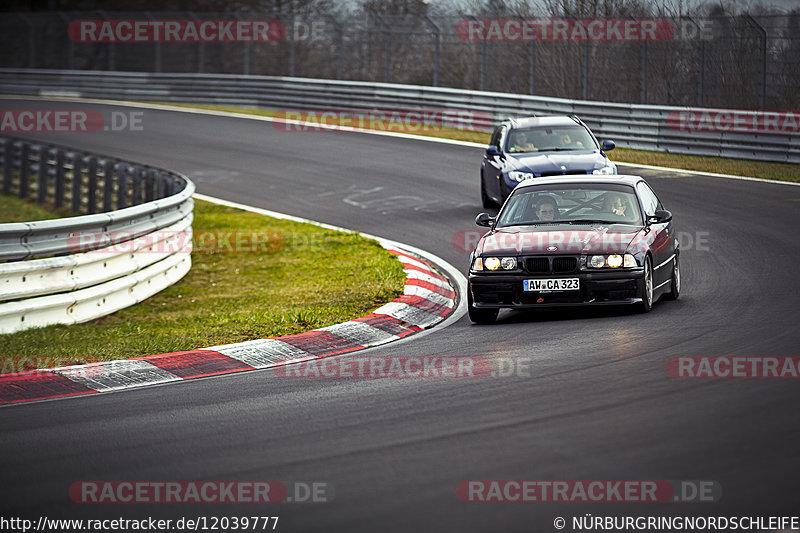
pixel 575 241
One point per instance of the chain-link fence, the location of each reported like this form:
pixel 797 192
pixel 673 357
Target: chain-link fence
pixel 742 61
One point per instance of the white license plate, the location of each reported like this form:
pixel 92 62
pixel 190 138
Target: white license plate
pixel 541 285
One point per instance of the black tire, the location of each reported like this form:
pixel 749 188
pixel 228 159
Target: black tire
pixel 487 202
pixel 675 281
pixel 647 287
pixel 480 316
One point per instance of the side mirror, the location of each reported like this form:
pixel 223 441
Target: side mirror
pixel 661 216
pixel 608 145
pixel 492 150
pixel 484 220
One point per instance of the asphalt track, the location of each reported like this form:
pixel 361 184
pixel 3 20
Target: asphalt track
pixel 597 403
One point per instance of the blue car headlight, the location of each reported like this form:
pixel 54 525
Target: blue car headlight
pixel 610 169
pixel 516 175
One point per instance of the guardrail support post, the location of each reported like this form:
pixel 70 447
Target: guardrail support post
pixel 136 199
pixel 122 186
pixel 77 182
pixel 24 170
pixel 108 185
pixel 8 165
pixel 92 192
pixel 41 192
pixel 149 185
pixel 161 181
pixel 58 200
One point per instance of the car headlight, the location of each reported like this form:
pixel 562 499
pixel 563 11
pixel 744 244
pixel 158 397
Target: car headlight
pixel 494 263
pixel 611 261
pixel 605 170
pixel 516 175
pixel 508 263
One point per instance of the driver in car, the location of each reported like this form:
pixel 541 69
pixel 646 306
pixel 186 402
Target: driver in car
pixel 546 209
pixel 522 143
pixel 616 205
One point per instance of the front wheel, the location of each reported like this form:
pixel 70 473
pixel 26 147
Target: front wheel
pixel 487 202
pixel 647 287
pixel 675 281
pixel 480 316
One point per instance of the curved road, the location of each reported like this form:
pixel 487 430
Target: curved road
pixel 596 403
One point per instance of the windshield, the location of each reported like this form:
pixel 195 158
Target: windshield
pixel 571 204
pixel 544 139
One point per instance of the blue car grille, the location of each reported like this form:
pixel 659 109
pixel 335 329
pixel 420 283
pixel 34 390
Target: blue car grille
pixel 563 172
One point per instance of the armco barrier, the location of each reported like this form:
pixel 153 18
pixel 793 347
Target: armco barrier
pixel 75 269
pixel 629 125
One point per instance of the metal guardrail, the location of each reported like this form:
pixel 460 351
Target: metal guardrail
pixel 75 269
pixel 629 125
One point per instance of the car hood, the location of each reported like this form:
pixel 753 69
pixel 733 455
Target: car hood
pixel 558 161
pixel 559 239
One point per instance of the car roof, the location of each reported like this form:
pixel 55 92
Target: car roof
pixel 625 179
pixel 543 121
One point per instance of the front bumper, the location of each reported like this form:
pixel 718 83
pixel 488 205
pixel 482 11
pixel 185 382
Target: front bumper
pixel 499 290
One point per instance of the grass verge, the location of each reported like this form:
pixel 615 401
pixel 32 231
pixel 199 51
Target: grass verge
pixel 12 209
pixel 736 167
pixel 252 277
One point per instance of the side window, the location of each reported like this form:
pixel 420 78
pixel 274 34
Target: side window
pixel 496 136
pixel 649 199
